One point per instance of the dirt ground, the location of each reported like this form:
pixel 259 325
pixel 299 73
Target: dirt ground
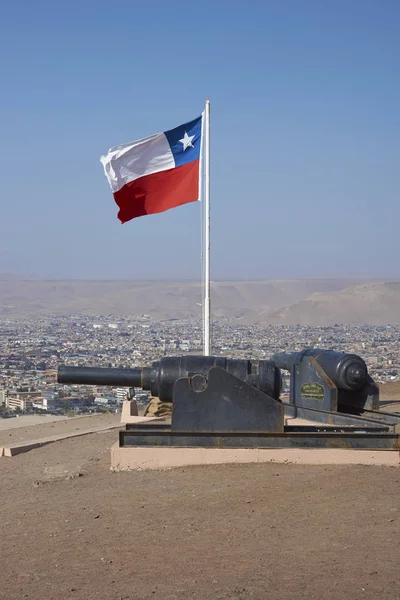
pixel 72 529
pixel 388 394
pixel 29 420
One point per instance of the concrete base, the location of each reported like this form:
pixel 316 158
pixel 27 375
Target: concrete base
pixel 24 446
pixel 126 459
pixel 129 409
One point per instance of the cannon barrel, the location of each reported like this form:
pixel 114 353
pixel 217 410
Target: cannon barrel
pixel 100 376
pixel 347 371
pixel 159 378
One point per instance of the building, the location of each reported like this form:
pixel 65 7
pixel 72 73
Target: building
pixel 3 397
pixel 14 403
pixel 124 394
pixel 102 401
pixel 22 400
pixel 45 403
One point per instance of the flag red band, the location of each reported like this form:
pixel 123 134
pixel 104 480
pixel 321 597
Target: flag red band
pixel 158 192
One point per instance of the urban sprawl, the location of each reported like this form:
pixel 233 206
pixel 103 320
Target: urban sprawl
pixel 31 351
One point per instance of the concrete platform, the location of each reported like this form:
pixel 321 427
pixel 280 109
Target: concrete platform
pixel 129 411
pixel 26 445
pixel 127 459
pixel 11 450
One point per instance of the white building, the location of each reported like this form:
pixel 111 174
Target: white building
pixel 124 394
pixel 101 400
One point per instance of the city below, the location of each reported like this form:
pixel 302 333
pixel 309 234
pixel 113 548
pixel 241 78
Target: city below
pixel 32 349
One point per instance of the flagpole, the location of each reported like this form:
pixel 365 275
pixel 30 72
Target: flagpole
pixel 207 295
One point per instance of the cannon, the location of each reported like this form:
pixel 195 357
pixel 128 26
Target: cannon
pixel 329 381
pixel 208 393
pixel 219 402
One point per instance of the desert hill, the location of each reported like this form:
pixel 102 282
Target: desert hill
pixel 288 302
pixel 248 300
pixel 373 303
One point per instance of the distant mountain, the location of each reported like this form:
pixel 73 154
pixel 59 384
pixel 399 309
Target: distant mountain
pixel 277 301
pixel 374 303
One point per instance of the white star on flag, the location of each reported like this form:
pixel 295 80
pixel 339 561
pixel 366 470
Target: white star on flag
pixel 186 141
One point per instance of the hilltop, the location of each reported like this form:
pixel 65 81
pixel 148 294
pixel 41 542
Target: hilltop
pixel 72 529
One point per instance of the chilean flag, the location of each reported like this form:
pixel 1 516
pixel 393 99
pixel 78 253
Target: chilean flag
pixel 155 173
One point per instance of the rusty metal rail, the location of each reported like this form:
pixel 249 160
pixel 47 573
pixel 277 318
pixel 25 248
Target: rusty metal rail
pixel 367 418
pixel 382 417
pixel 325 437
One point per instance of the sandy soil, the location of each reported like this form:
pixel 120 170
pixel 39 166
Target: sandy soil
pixel 72 529
pixel 389 395
pixel 28 420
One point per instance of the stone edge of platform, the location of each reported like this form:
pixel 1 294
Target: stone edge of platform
pixel 11 450
pixel 135 458
pixel 18 448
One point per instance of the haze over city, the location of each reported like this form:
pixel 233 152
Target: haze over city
pixel 304 122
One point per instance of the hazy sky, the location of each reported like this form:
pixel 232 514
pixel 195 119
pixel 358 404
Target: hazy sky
pixel 305 104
